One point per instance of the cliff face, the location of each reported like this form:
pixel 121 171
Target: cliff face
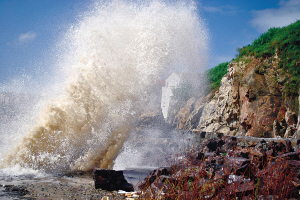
pixel 251 101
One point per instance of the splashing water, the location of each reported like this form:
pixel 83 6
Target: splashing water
pixel 114 56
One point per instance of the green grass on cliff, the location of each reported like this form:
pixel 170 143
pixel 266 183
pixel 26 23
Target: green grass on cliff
pixel 286 43
pixel 216 74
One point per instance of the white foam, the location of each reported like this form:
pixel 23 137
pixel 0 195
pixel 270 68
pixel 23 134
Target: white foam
pixel 113 57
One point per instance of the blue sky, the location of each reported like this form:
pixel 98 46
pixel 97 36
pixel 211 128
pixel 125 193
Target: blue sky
pixel 30 28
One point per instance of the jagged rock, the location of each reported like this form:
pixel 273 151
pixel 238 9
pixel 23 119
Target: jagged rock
pixel 236 165
pixel 244 153
pixel 290 156
pixel 297 147
pixel 280 147
pixel 248 103
pixel 242 173
pixel 297 133
pixel 288 146
pixel 200 156
pixel 111 180
pixel 220 114
pixel 288 132
pixel 154 175
pixel 243 188
pixel 211 145
pixel 188 116
pixel 261 145
pixel 229 143
pixel 183 115
pixel 276 128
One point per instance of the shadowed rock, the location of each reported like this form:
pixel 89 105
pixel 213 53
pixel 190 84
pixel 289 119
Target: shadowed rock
pixel 111 180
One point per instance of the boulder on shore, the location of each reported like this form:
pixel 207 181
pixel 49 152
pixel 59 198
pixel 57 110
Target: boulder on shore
pixel 111 180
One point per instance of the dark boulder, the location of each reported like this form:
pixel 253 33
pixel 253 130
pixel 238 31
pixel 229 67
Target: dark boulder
pixel 280 147
pixel 214 143
pixel 111 180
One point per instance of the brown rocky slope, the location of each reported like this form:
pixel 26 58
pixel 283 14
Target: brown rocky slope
pixel 251 101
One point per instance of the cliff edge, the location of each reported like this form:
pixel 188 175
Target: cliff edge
pixel 258 96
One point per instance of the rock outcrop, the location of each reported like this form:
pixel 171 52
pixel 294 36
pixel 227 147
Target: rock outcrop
pixel 251 101
pixel 297 134
pixel 224 168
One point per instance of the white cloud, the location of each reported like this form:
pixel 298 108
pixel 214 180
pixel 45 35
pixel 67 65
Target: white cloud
pixel 226 9
pixel 287 13
pixel 212 9
pixel 27 37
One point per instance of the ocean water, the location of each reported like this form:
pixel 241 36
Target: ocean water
pixel 111 62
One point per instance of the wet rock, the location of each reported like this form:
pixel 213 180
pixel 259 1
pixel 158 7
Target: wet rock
pixel 155 174
pixel 244 153
pixel 259 157
pixel 229 143
pixel 111 180
pixel 219 160
pixel 220 174
pixel 21 190
pixel 297 147
pixel 252 144
pixel 237 166
pixel 202 134
pixel 291 156
pixel 213 144
pixel 238 172
pixel 200 156
pixel 244 189
pixel 210 155
pixel 280 147
pixel 262 145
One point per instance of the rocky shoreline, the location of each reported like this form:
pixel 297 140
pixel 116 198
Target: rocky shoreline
pixel 78 186
pixel 225 168
pixel 222 166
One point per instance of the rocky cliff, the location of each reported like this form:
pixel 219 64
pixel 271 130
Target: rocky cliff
pixel 251 101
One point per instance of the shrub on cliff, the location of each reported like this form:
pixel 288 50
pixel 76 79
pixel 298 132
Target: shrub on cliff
pixel 216 74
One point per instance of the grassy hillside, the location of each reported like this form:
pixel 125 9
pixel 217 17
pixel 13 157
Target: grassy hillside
pixel 286 43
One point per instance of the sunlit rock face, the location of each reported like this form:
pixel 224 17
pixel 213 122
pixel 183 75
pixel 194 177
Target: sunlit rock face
pixel 251 102
pixel 297 134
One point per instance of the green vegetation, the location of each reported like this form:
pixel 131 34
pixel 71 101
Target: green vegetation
pixel 261 69
pixel 216 74
pixel 286 43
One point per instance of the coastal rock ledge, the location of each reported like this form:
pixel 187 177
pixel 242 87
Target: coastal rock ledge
pixel 225 168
